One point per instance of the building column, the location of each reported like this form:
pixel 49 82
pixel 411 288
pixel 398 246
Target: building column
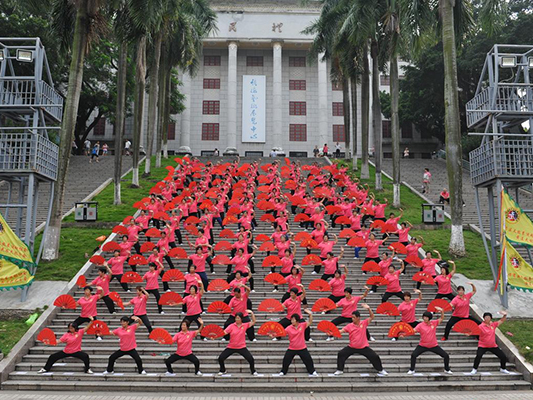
pixel 185 137
pixel 232 94
pixel 277 113
pixel 322 102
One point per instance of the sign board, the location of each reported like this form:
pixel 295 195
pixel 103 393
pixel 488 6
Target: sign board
pixel 253 108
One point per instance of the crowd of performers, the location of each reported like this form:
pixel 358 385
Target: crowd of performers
pixel 228 194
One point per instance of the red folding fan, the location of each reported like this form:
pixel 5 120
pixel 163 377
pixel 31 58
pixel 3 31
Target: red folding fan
pixel 333 209
pixel 275 279
pixel 387 308
pixel 267 246
pixel 218 285
pixel 192 220
pixel 116 299
pixel 467 327
pixel 311 243
pixel 173 275
pixel 137 259
pixel 323 304
pixel 120 229
pixel 147 246
pixel 47 336
pixel 161 336
pixel 263 189
pixel 227 234
pixel 311 259
pixel 441 303
pixel 301 217
pixel 398 248
pixel 229 220
pixel 377 224
pixel 170 299
pixel 81 282
pixel 111 247
pixel 219 307
pixel 329 329
pixel 343 220
pixel 161 215
pixel 98 260
pixel 212 331
pixel 192 229
pixel 223 245
pixel 377 280
pixel 347 233
pixel 357 242
pixel 320 285
pixel 271 261
pixel 268 217
pixel 424 278
pixel 401 329
pixel 153 233
pixel 414 260
pixel 262 238
pixel 221 259
pixel 272 329
pixel 98 328
pixel 178 252
pixel 371 266
pixel 270 306
pixel 302 236
pixel 131 277
pixel 65 301
pixel 127 219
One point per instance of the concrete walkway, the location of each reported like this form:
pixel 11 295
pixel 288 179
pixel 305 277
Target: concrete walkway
pixel 41 293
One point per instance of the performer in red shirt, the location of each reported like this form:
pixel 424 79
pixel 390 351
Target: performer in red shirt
pixel 128 344
pixel 487 342
pixel 461 309
pixel 184 340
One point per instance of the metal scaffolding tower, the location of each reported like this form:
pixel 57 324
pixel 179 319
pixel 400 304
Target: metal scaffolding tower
pixel 30 109
pixel 501 107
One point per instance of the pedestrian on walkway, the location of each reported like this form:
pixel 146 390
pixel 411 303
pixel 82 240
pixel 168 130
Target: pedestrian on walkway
pixel 487 342
pixel 406 152
pixel 316 151
pixel 127 147
pixel 95 152
pixel 105 149
pixel 87 147
pixel 337 150
pixel 184 340
pixel 325 150
pixel 128 345
pixel 426 181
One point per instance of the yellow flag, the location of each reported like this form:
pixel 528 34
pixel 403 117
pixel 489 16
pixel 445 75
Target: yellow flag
pixel 12 248
pixel 516 224
pixel 12 276
pixel 519 272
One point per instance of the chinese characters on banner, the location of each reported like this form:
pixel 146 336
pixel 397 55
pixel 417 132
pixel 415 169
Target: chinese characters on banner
pixel 253 108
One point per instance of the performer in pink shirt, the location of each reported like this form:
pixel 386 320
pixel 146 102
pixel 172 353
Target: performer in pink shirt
pixel 487 342
pixel 407 309
pixel 139 307
pixel 461 309
pixel 128 345
pixel 444 282
pixel 102 287
pixel 184 340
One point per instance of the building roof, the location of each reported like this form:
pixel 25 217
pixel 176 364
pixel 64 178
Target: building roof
pixel 264 6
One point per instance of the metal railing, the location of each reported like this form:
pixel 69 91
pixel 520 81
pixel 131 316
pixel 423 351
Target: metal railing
pixel 25 92
pixel 502 158
pixel 28 152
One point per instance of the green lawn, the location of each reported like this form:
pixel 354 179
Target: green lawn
pixel 521 336
pixel 11 331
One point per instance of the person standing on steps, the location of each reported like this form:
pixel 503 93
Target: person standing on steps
pixel 359 343
pixel 128 344
pixel 184 340
pixel 316 151
pixel 444 282
pixel 337 150
pixel 349 305
pixel 102 287
pixel 139 307
pixel 239 305
pixel 461 309
pixel 293 305
pixel 73 339
pixel 297 346
pixel 428 340
pixel 152 282
pixel 393 287
pixel 325 150
pixel 408 309
pixel 426 181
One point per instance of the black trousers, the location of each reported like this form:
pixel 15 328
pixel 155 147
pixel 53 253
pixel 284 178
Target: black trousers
pixel 157 296
pixel 109 304
pixel 335 298
pixel 146 322
pixel 191 319
pixel 325 277
pixel 366 352
pixel 304 356
pixel 55 357
pixel 449 296
pixel 494 350
pixel 452 321
pixel 285 322
pixel 177 233
pixel 82 320
pixel 388 295
pixel 119 278
pixel 119 353
pixel 437 350
pixel 249 332
pixel 174 357
pixel 243 352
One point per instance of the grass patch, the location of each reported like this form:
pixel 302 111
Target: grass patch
pixel 521 336
pixel 474 265
pixel 11 330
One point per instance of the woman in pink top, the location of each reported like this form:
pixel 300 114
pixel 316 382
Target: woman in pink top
pixel 384 265
pixel 487 342
pixel 461 309
pixel 239 304
pixel 184 340
pixel 293 281
pixel 293 305
pixel 199 259
pixel 407 309
pixel 330 265
pixel 413 247
pixel 193 303
pixel 139 307
pixel 428 341
pixel 372 248
pixel 237 342
pixel 152 282
pixel 325 247
pixel 403 232
pixel 428 265
pixel 444 282
pixel 73 339
pixel 287 261
pixel 102 287
pixel 128 344
pixel 393 287
pixel 359 343
pixel 338 284
pixel 297 346
pixel 117 269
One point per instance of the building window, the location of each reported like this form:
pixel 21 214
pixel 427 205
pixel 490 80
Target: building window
pixel 212 61
pixel 338 133
pixel 296 61
pixel 99 128
pixel 336 86
pixel 386 128
pixel 211 83
pixel 297 108
pixel 171 131
pixel 297 85
pixel 298 132
pixel 338 109
pixel 407 130
pixel 384 80
pixel 211 107
pixel 210 131
pixel 254 61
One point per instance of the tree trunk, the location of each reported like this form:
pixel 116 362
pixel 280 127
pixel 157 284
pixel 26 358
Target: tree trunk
pixel 120 116
pixel 365 100
pixel 161 107
pixel 346 113
pixel 395 130
pixel 353 85
pixel 166 115
pixel 140 85
pixel 152 103
pixel 452 129
pixel 376 116
pixel 75 79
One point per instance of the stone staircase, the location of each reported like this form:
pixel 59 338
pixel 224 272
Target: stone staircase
pixel 358 377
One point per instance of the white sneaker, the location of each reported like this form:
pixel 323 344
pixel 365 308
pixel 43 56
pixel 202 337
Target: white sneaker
pixel 313 273
pixel 223 340
pixel 170 374
pixel 274 339
pixel 275 291
pixel 143 372
pixel 255 373
pixel 337 373
pixel 311 340
pixel 106 372
pixel 114 312
pixel 89 371
pixel 449 372
pixel 168 290
pixel 394 339
pixel 221 373
pixel 162 313
pixel 279 374
pixel 183 313
pixel 473 372
pixel 253 290
pixel 504 371
pixel 330 338
pixel 255 340
pixel 213 273
pixel 42 371
pixel 410 372
pixel 371 291
pixel 226 291
pixel 372 339
pixel 323 312
pixel 128 291
pixel 313 375
pixel 383 373
pixel 99 338
pixel 199 373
